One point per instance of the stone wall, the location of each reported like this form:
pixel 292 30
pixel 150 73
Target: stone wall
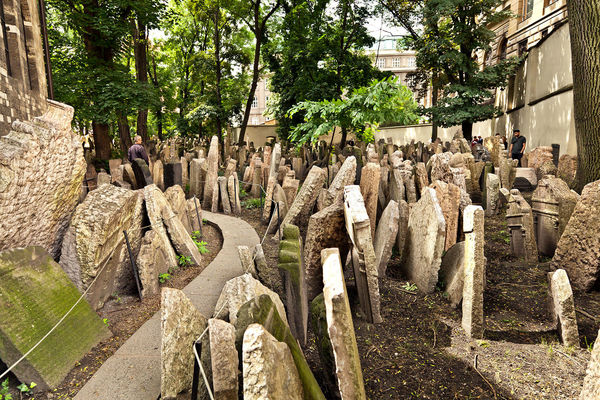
pixel 41 171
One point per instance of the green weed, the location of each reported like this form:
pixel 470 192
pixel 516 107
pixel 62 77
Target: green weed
pixel 162 278
pixel 410 287
pixel 184 261
pixel 252 203
pixel 4 395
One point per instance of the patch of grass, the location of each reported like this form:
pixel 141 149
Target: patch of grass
pixel 252 203
pixel 409 287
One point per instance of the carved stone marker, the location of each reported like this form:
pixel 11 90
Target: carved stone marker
pixel 520 223
pixel 474 272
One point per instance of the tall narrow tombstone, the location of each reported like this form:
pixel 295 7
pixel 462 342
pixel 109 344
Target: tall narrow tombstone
pixel 223 194
pixel 197 177
pixel 256 189
pixel 345 176
pixel 396 186
pixel 114 167
pixel 233 188
pixel 185 173
pixel 290 188
pixel 172 174
pixel 448 195
pixel 230 169
pixel 158 175
pixel 220 359
pixel 563 307
pixel 211 172
pixel 214 204
pixel 341 328
pixel 363 253
pixel 291 265
pixel 492 194
pixel 269 198
pixel 369 188
pixel 520 224
pixel 452 273
pixel 301 208
pixel 474 272
pixel 421 178
pixel 143 177
pixel 385 236
pixel 402 237
pixel 426 238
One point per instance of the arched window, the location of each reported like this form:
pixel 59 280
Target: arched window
pixel 502 48
pixel 5 37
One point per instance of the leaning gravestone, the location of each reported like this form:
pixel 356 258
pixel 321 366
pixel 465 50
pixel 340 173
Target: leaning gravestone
pixel 143 177
pixel 41 172
pixel 220 360
pixel 492 194
pixel 262 310
pixel 578 250
pixel 291 266
pixel 181 324
pixel 34 295
pixel 363 253
pixel 151 262
pixel 94 247
pixel 591 383
pixel 426 237
pixel 563 307
pixel 211 172
pixel 448 195
pixel 369 188
pixel 345 176
pixel 301 208
pixel 268 367
pixel 385 236
pixel 172 174
pixel 340 328
pixel 452 273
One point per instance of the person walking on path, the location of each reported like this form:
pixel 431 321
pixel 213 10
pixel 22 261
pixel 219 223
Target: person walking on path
pixel 517 146
pixel 137 150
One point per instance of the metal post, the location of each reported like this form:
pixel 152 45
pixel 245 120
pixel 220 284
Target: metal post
pixel 278 221
pixel 133 266
pixel 235 195
pixel 198 216
pixel 196 378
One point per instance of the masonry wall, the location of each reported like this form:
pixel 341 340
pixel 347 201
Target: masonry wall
pixel 23 88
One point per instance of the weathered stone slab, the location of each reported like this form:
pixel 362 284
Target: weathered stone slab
pixel 402 238
pixel 34 294
pixel 114 167
pixel 158 174
pixel 269 369
pixel 269 198
pixel 230 169
pixel 197 177
pixel 439 167
pixel 304 202
pixel 341 328
pixel 143 176
pixel 396 186
pixel 452 273
pixel 176 198
pixel 223 195
pixel 211 172
pixel 426 238
pixel 220 359
pixel 520 224
pixel 448 195
pixel 508 172
pixel 474 272
pixel 233 188
pixel 421 178
pixel 492 144
pixel 563 307
pixel 194 212
pixel 41 172
pixel 591 383
pixel 181 324
pixel 290 188
pixel 578 250
pixel 151 262
pixel 526 179
pixel 328 379
pixel 538 156
pixel 385 236
pixel 409 183
pixel 275 160
pixel 261 310
pixel 255 190
pixel 94 245
pixel 103 178
pixel 567 167
pixel 345 176
pixel 325 229
pixel 291 266
pixel 128 175
pixel 552 205
pixel 240 290
pixel 363 253
pixel 492 195
pixel 172 174
pixel 185 173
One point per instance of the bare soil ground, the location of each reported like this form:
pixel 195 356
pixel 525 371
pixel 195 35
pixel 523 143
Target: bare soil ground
pixel 420 350
pixel 124 315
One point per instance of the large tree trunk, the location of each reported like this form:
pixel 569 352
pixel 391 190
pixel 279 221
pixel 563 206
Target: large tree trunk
pixel 467 128
pixel 255 76
pixel 159 116
pixel 217 39
pixel 101 140
pixel 434 98
pixel 584 24
pixel 124 133
pixel 141 69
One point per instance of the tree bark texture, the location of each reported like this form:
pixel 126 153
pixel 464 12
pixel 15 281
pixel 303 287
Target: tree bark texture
pixel 584 25
pixel 124 133
pixel 141 69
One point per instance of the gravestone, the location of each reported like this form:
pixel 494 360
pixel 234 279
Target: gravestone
pixel 212 170
pixel 402 237
pixel 247 261
pixel 143 177
pixel 341 328
pixel 364 262
pixel 158 175
pixel 180 324
pixel 567 168
pixel 94 246
pixel 34 295
pixel 151 262
pixel 452 273
pixel 103 178
pixel 474 272
pixel 173 174
pixel 421 178
pixel 591 383
pixel 233 188
pixel 268 367
pixel 563 307
pixel 492 195
pixel 300 210
pixel 176 198
pixel 369 188
pixel 223 194
pixel 525 179
pixel 385 236
pixel 520 224
pixel 426 238
pixel 185 173
pixel 220 360
pixel 448 195
pixel 197 177
pixel 345 176
pixel 578 250
pixel 114 167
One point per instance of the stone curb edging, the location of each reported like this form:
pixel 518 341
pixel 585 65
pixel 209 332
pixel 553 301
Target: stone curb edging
pixel 133 372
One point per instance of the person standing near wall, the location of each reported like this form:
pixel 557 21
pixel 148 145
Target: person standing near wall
pixel 517 146
pixel 138 151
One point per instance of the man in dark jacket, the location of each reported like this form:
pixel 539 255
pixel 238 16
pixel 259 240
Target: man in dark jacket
pixel 517 146
pixel 137 151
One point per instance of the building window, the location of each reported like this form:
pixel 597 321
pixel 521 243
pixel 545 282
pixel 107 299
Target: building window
pixel 255 102
pixel 381 63
pixel 24 37
pixel 5 36
pixel 412 62
pixel 527 9
pixel 397 62
pixel 522 47
pixel 502 49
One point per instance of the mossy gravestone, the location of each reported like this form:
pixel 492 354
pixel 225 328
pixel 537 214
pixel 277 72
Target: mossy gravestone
pixel 35 293
pixel 261 310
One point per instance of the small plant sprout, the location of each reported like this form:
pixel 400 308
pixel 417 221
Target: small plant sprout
pixel 162 278
pixel 26 389
pixel 184 261
pixel 409 287
pixel 196 235
pixel 105 321
pixel 202 247
pixel 4 395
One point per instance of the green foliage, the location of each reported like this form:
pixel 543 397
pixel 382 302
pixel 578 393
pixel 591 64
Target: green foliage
pixel 202 247
pixel 4 389
pixel 410 287
pixel 252 203
pixel 361 111
pixel 184 261
pixel 162 278
pixel 105 321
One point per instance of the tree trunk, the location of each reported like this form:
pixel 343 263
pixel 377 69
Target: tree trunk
pixel 584 24
pixel 467 128
pixel 218 73
pixel 141 69
pixel 255 76
pixel 159 116
pixel 101 140
pixel 124 133
pixel 434 98
pixel 343 139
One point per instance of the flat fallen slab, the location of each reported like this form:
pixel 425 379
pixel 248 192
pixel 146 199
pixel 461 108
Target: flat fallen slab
pixel 133 372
